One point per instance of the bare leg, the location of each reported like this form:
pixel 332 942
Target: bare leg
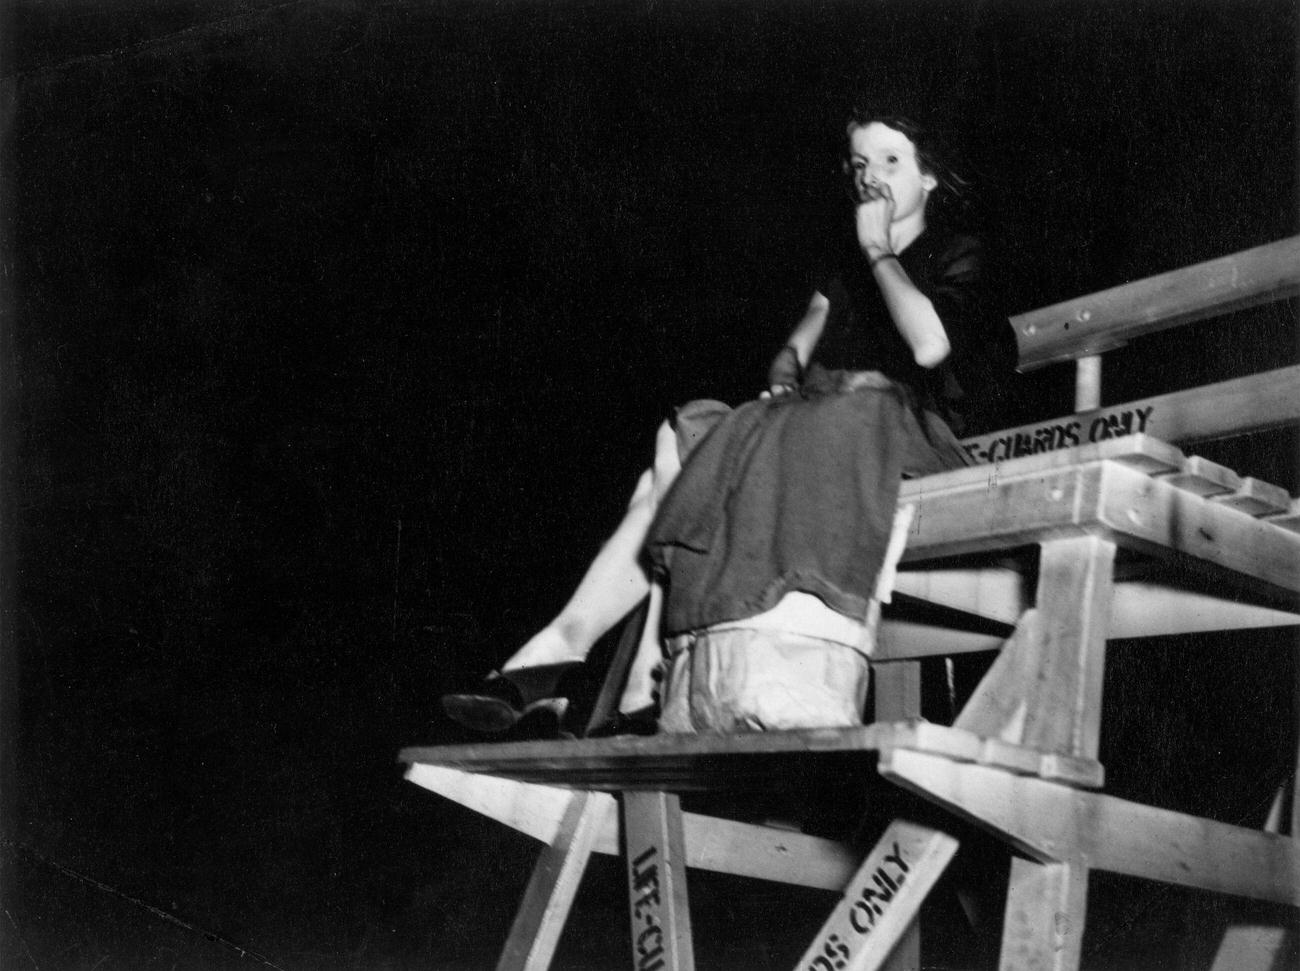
pixel 638 693
pixel 614 583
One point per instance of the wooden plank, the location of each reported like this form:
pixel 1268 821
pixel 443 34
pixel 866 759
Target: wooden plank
pixel 1109 319
pixel 1289 520
pixel 656 878
pixel 1139 608
pixel 720 845
pixel 1256 498
pixel 535 809
pixel 1248 404
pixel 1136 510
pixel 1046 907
pixel 881 900
pixel 999 706
pixel 1148 609
pixel 1044 690
pixel 1055 823
pixel 1294 821
pixel 898 640
pixel 994 593
pixel 605 706
pixel 1136 449
pixel 759 759
pixel 548 898
pixel 754 760
pixel 898 690
pixel 999 514
pixel 1201 477
pixel 1152 516
pixel 1255 947
pixel 532 809
pixel 906 955
pixel 766 853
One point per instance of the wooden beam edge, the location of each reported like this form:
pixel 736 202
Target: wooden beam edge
pixel 1054 823
pixel 1111 317
pixel 712 843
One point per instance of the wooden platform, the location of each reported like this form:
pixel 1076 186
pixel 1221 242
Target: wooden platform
pixel 1067 533
pixel 757 761
pixel 1136 495
pixel 1142 494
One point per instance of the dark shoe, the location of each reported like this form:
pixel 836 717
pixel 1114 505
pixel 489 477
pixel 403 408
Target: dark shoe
pixel 506 696
pixel 643 721
pixel 542 721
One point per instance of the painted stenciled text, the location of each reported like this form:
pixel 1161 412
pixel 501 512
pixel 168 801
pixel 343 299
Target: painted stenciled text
pixel 647 929
pixel 871 899
pixel 1051 436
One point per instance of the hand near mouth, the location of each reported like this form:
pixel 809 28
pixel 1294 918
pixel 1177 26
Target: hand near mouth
pixel 875 213
pixel 871 191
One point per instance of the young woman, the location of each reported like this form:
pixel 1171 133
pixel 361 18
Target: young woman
pixel 777 528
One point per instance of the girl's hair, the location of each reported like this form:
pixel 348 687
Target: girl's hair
pixel 933 156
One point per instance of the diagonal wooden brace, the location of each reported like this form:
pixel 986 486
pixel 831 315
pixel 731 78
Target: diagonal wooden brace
pixel 1044 690
pixel 1053 823
pixel 535 932
pixel 1066 832
pixel 881 901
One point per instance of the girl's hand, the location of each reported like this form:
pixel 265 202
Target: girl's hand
pixel 874 215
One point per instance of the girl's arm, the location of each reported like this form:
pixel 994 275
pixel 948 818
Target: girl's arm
pixel 808 331
pixel 790 362
pixel 913 313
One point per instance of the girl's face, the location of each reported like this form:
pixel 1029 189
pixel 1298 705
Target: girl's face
pixel 880 155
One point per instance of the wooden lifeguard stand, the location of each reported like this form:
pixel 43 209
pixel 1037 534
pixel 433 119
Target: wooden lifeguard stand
pixel 1120 534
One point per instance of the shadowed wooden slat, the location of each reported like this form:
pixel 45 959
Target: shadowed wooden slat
pixel 756 760
pixel 674 762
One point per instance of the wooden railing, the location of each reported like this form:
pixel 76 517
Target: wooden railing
pixel 1104 321
pixel 1081 329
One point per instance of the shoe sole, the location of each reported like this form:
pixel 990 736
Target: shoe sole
pixel 487 715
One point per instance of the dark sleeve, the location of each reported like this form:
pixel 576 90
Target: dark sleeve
pixel 833 255
pixel 977 375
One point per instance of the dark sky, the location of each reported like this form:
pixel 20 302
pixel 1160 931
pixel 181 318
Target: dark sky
pixel 335 334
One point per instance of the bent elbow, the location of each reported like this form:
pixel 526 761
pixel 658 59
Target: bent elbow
pixel 932 353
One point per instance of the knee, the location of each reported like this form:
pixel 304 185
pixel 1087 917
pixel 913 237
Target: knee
pixel 667 459
pixel 665 440
pixel 644 490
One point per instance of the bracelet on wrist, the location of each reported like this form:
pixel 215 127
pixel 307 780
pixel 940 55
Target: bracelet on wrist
pixel 872 261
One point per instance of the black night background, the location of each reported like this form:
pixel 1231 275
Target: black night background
pixel 335 334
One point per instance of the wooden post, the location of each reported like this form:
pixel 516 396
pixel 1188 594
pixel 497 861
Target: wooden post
pixel 898 690
pixel 535 932
pixel 1254 947
pixel 656 876
pixel 1087 383
pixel 1044 690
pixel 1046 906
pixel 606 704
pixel 898 698
pixel 882 900
pixel 1294 832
